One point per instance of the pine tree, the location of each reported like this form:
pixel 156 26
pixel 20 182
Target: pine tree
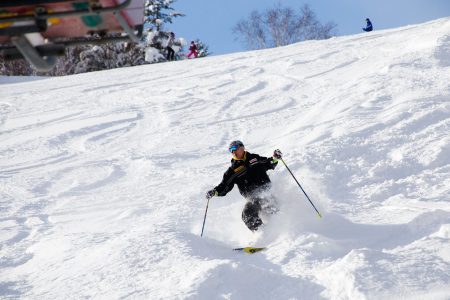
pixel 157 13
pixel 202 48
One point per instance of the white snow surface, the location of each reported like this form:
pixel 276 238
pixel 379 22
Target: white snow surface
pixel 103 175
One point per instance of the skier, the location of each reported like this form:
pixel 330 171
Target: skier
pixel 369 26
pixel 170 51
pixel 248 171
pixel 193 49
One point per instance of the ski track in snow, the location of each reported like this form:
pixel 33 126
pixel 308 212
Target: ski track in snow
pixel 103 175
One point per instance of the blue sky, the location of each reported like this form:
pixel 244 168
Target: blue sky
pixel 212 20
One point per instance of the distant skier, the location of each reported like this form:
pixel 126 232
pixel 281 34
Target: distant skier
pixel 170 51
pixel 193 49
pixel 369 26
pixel 248 171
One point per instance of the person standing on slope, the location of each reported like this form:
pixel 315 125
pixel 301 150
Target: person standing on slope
pixel 369 26
pixel 248 172
pixel 170 51
pixel 193 50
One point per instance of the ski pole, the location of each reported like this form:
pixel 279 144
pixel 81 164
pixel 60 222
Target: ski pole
pixel 204 219
pixel 318 213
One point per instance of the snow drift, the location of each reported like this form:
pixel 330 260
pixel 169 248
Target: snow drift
pixel 103 175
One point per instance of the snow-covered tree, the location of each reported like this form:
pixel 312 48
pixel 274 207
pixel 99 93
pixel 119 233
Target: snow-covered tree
pixel 96 57
pixel 19 67
pixel 202 48
pixel 83 58
pixel 109 56
pixel 156 44
pixel 158 12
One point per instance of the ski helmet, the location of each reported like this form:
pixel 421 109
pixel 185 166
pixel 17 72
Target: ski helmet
pixel 234 145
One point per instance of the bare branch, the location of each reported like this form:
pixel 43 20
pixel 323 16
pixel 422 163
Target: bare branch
pixel 280 26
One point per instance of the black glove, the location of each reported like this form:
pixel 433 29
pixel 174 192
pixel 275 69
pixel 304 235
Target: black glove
pixel 277 154
pixel 211 193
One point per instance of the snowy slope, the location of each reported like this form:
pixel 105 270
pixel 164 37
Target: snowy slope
pixel 103 175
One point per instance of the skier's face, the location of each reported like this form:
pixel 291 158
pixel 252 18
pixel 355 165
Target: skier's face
pixel 239 152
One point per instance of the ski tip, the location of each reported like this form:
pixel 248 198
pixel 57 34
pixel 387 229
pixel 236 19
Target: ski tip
pixel 249 250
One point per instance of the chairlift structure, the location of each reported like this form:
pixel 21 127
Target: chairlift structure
pixel 39 30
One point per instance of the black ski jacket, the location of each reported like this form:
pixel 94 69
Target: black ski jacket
pixel 248 173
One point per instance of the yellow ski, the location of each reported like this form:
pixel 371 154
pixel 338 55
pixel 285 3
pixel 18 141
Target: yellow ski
pixel 249 250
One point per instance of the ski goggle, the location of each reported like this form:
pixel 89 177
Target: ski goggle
pixel 234 148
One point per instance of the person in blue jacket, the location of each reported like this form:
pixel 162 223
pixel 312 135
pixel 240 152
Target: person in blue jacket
pixel 368 26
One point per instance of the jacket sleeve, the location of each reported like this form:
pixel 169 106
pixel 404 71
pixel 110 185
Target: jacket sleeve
pixel 267 162
pixel 227 183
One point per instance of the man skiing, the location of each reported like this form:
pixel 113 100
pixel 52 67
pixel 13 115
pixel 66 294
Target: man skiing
pixel 369 26
pixel 248 171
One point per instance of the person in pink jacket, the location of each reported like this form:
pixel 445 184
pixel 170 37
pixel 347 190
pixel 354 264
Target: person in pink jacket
pixel 193 49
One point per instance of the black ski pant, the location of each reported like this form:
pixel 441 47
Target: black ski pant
pixel 254 207
pixel 170 54
pixel 250 215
